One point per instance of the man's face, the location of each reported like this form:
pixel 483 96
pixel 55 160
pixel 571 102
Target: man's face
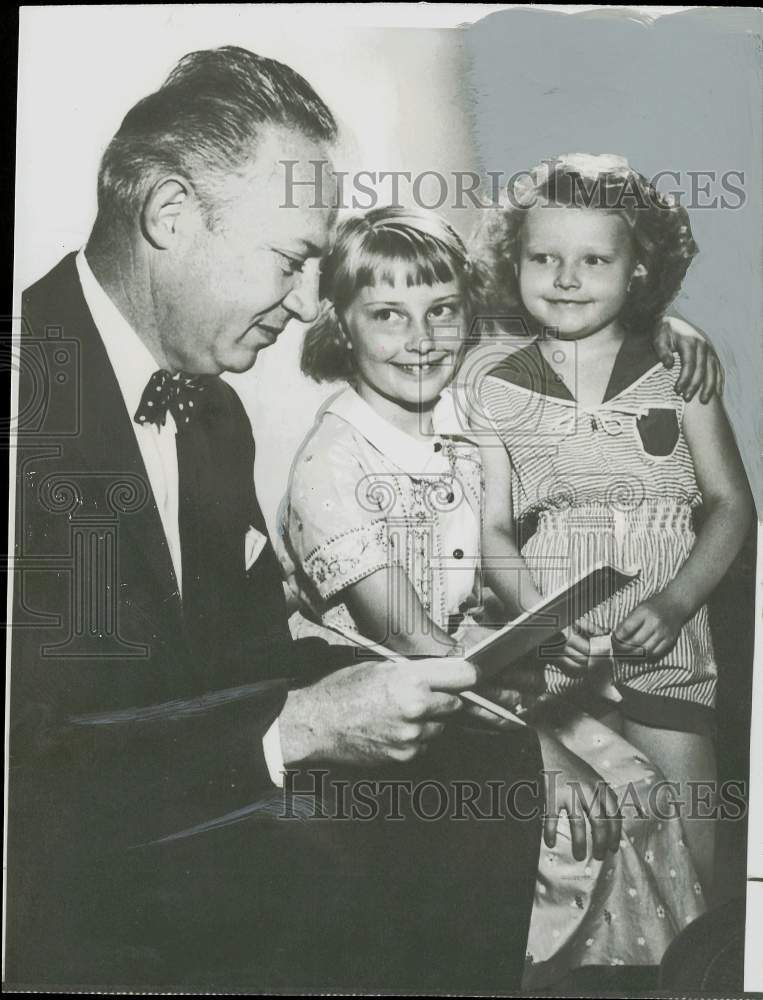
pixel 220 295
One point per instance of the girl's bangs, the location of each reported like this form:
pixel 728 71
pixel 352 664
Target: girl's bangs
pixel 393 256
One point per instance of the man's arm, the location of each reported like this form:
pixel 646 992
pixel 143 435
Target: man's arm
pixel 145 768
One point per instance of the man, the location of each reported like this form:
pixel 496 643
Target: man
pixel 156 694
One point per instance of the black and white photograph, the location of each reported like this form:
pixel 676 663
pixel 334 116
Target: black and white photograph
pixel 385 484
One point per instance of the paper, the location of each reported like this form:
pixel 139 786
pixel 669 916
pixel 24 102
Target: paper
pixel 541 623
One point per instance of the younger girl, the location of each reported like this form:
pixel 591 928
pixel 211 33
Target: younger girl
pixel 602 461
pixel 382 525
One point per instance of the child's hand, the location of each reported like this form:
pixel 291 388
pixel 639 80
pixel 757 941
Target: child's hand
pixel 700 366
pixel 572 659
pixel 650 630
pixel 526 675
pixel 573 787
pixel 506 697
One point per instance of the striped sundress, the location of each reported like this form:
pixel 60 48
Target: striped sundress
pixel 613 482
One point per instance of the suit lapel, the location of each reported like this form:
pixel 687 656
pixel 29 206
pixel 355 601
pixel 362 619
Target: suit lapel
pixel 108 449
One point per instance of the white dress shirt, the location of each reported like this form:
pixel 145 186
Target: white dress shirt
pixel 133 366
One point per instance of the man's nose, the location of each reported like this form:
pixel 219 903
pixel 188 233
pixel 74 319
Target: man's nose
pixel 567 276
pixel 303 300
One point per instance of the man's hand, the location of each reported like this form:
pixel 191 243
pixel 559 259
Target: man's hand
pixel 373 712
pixel 699 362
pixel 651 629
pixel 573 787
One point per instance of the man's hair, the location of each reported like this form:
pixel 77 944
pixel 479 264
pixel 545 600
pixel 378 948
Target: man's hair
pixel 203 123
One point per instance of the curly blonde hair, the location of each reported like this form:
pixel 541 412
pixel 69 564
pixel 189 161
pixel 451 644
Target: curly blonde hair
pixel 662 238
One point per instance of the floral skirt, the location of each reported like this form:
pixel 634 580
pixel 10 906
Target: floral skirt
pixel 626 909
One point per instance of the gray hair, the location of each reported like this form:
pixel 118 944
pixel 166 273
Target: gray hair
pixel 202 123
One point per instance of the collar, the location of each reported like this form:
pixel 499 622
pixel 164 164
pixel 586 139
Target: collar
pixel 131 360
pixel 635 358
pixel 409 454
pixel 529 369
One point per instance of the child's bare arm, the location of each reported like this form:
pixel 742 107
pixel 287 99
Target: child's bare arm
pixel 728 506
pixel 504 569
pixel 654 625
pixel 388 611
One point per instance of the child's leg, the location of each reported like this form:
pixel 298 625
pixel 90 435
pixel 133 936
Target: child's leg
pixel 684 757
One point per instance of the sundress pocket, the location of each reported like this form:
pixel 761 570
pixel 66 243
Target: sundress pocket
pixel 658 431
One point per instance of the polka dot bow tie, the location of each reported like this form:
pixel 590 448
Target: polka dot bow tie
pixel 177 393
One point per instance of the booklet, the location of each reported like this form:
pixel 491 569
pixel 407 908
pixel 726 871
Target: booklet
pixel 544 622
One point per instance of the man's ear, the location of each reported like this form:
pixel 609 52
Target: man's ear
pixel 165 203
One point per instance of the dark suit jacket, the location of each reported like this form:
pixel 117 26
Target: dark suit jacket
pixel 131 725
pixel 126 724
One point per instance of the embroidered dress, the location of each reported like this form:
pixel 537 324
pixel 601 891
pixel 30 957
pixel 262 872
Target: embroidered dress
pixel 616 483
pixel 364 495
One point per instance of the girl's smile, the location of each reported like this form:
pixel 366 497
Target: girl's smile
pixel 419 368
pixel 405 341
